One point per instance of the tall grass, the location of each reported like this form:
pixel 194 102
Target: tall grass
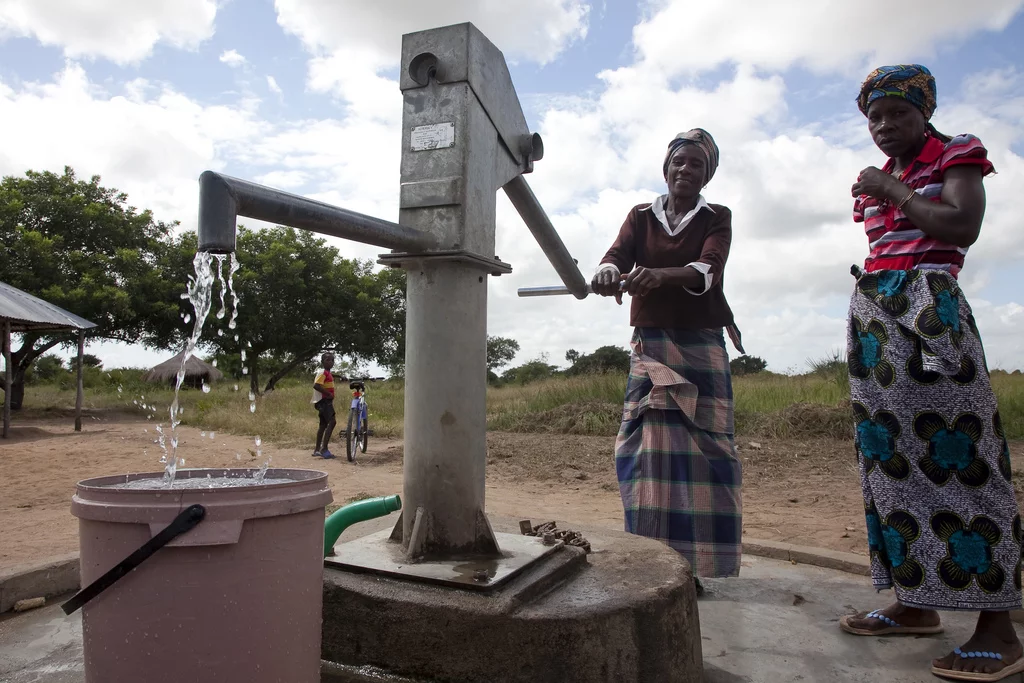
pixel 766 404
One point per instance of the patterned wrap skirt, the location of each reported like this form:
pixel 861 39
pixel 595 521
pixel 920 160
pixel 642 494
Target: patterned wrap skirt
pixel 675 456
pixel 943 525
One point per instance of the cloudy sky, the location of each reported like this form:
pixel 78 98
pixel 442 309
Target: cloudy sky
pixel 303 95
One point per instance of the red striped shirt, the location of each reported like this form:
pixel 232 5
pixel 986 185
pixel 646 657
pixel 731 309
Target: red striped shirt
pixel 895 242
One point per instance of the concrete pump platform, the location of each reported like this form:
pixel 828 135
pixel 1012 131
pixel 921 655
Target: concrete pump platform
pixel 624 613
pixel 776 623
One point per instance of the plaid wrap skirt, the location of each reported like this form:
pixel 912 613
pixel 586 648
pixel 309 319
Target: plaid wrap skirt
pixel 675 455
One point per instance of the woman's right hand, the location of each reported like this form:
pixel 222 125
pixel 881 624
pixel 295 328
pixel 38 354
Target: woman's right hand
pixel 607 282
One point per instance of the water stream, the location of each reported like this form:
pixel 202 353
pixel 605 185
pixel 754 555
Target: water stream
pixel 200 295
pixel 209 269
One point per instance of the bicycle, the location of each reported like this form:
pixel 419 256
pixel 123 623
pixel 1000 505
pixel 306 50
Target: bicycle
pixel 357 434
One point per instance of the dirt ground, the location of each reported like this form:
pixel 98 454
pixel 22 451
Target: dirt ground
pixel 803 492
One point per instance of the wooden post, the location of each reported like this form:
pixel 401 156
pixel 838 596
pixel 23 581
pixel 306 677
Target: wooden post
pixel 78 394
pixel 8 376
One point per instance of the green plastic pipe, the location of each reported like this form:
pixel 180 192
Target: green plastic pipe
pixel 360 511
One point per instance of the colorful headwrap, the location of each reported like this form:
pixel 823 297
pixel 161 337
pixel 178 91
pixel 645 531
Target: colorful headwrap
pixel 912 82
pixel 703 140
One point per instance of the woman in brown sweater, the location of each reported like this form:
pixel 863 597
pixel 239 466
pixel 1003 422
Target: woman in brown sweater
pixel 675 456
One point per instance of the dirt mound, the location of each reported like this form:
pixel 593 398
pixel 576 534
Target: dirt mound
pixel 588 418
pixel 800 420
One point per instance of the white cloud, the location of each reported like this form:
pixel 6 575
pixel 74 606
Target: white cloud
pixel 822 36
pixel 529 30
pixel 352 42
pixel 122 31
pixel 788 278
pixel 273 86
pixel 232 58
pixel 283 180
pixel 1001 328
pixel 355 80
pixel 149 141
pixel 794 240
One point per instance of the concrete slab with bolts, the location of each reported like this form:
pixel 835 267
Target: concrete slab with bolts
pixel 41 645
pixel 626 613
pixel 751 630
pixel 779 621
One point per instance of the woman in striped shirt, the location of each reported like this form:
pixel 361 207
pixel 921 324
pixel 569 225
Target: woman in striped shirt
pixel 944 530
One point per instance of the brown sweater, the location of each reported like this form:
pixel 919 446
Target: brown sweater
pixel 643 241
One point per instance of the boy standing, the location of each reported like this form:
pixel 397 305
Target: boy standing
pixel 323 401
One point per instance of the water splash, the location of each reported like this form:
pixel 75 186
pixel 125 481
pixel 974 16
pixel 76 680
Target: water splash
pixel 233 266
pixel 223 286
pixel 263 468
pixel 206 388
pixel 161 441
pixel 200 295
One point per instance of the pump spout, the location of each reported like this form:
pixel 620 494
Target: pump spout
pixel 218 212
pixel 222 199
pixel 360 511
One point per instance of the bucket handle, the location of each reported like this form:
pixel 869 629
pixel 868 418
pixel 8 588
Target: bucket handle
pixel 185 521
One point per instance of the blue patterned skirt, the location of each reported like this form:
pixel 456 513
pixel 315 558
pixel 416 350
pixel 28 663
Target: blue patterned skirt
pixel 943 525
pixel 675 457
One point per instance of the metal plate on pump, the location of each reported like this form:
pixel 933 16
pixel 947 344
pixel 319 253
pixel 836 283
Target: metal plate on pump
pixel 433 136
pixel 377 554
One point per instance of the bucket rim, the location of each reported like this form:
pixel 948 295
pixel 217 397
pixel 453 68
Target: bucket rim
pixel 96 499
pixel 296 475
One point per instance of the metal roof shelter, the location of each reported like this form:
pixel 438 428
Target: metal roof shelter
pixel 22 312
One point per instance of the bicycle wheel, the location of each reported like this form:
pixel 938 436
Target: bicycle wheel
pixel 351 436
pixel 365 433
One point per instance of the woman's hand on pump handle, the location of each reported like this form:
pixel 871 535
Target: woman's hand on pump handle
pixel 642 280
pixel 637 283
pixel 607 282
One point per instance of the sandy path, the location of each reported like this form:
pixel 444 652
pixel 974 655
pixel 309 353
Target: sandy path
pixel 803 492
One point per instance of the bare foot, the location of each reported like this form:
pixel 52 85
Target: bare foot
pixel 994 634
pixel 904 616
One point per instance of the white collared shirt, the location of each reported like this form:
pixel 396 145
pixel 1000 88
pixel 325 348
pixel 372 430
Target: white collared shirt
pixel 658 207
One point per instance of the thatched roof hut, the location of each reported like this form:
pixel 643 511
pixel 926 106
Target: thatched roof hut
pixel 197 372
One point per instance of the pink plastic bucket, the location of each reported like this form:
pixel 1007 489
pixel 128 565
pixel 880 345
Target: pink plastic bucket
pixel 237 598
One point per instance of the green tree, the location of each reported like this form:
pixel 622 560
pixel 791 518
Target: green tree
pixel 46 368
pixel 82 247
pixel 747 365
pixel 298 297
pixel 500 352
pixel 572 355
pixel 88 360
pixel 604 359
pixel 531 371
